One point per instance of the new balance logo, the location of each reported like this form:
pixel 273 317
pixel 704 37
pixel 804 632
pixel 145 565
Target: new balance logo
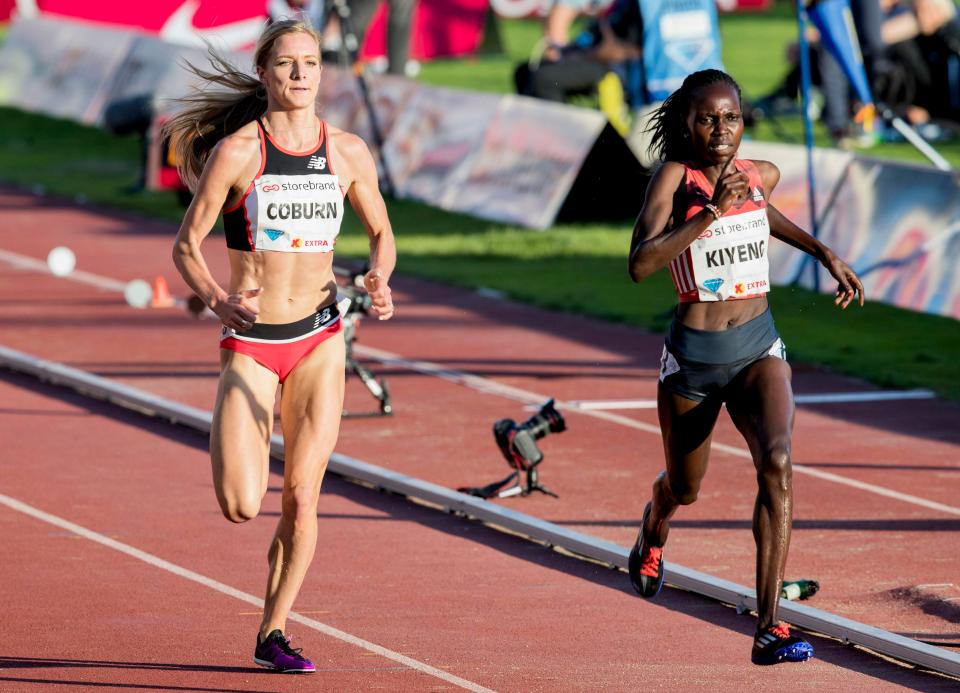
pixel 321 318
pixel 317 162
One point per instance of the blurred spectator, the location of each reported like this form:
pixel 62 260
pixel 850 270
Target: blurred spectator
pixel 924 45
pixel 399 26
pixel 559 21
pixel 312 11
pixel 319 14
pixel 604 59
pixel 915 72
pixel 868 19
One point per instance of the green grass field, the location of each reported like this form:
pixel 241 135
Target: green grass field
pixel 580 268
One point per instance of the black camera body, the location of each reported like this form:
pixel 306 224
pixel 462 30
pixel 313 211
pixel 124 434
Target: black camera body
pixel 518 443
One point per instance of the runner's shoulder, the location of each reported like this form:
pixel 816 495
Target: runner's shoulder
pixel 238 147
pixel 769 173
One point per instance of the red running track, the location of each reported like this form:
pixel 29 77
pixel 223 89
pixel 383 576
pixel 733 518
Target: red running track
pixel 457 596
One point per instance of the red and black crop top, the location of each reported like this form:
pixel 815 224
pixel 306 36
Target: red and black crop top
pixel 293 205
pixel 729 259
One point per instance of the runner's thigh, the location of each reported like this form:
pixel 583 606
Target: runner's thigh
pixel 242 425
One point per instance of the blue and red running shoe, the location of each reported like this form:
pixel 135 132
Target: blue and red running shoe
pixel 645 565
pixel 774 644
pixel 274 652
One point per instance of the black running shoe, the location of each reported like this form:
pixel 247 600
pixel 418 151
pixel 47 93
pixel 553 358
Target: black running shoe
pixel 774 644
pixel 645 566
pixel 274 652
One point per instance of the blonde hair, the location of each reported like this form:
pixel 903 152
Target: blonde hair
pixel 209 115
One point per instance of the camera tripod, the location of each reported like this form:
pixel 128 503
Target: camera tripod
pixel 353 303
pixel 499 489
pixel 377 388
pixel 517 444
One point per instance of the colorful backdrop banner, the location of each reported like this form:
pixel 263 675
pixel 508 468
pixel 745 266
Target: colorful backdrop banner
pixel 898 225
pixel 440 27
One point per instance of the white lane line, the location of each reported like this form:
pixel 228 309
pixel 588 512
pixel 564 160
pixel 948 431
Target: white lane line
pixel 824 398
pixel 157 562
pixel 491 387
pixel 608 404
pixel 30 263
pixel 879 396
pixel 490 293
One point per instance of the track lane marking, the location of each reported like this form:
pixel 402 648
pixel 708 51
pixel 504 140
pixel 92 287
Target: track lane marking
pixel 188 574
pixel 810 398
pixel 492 387
pixel 25 262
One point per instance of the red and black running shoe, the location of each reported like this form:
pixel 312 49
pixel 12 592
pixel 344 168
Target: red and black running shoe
pixel 645 566
pixel 774 644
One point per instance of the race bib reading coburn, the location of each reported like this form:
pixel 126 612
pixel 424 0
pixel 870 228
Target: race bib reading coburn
pixel 298 214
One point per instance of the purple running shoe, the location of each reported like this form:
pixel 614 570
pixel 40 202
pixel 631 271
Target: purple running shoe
pixel 275 653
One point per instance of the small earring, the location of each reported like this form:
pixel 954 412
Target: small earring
pixel 261 92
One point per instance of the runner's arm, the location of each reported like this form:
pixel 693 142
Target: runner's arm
pixel 781 228
pixel 654 245
pixel 230 156
pixel 367 202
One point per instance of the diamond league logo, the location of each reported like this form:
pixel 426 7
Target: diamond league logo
pixel 713 284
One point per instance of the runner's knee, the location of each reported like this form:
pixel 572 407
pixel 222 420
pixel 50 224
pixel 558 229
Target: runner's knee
pixel 300 503
pixel 683 491
pixel 238 509
pixel 775 471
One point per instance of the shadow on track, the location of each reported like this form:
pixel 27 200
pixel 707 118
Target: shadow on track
pixel 398 509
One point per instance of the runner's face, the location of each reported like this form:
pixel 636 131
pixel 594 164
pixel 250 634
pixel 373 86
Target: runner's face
pixel 715 123
pixel 292 72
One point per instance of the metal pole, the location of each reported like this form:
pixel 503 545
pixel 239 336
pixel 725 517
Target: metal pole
pixel 808 132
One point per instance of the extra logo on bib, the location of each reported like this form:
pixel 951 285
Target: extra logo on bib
pixel 730 257
pixel 298 214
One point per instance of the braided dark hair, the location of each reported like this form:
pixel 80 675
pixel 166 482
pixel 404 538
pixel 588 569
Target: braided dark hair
pixel 671 140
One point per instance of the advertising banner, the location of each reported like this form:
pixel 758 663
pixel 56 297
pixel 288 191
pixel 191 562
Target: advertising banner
pixel 155 68
pixel 341 102
pixel 526 162
pixel 228 25
pixel 897 225
pixel 440 27
pixel 506 158
pixel 899 228
pixel 790 195
pixel 433 140
pixel 70 77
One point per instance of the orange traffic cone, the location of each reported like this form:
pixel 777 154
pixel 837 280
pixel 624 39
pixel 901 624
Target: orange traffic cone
pixel 161 294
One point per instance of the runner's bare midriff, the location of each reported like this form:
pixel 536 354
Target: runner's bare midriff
pixel 294 284
pixel 720 315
